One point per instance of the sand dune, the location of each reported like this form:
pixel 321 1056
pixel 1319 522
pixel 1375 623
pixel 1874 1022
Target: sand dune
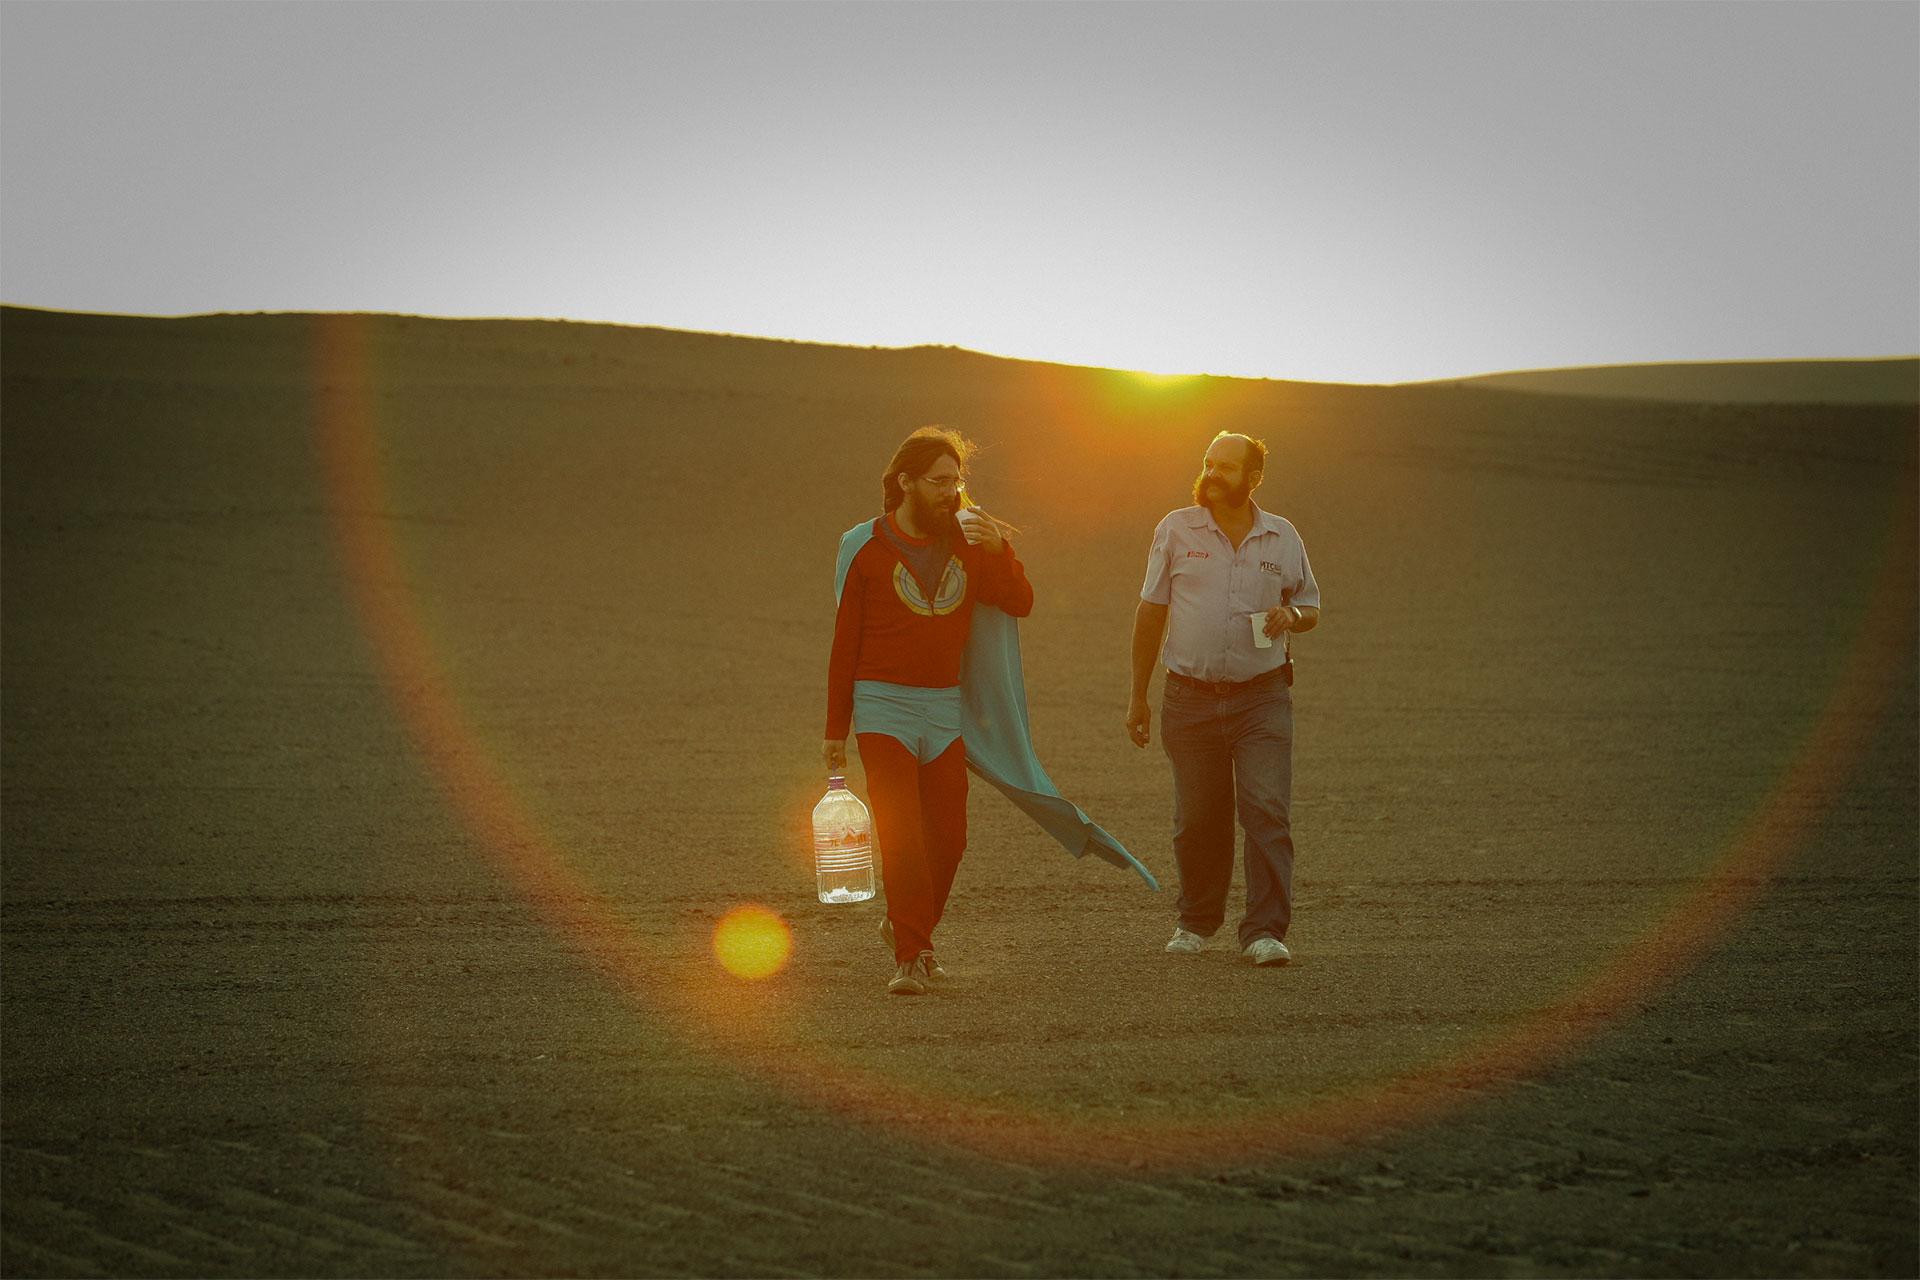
pixel 1811 382
pixel 392 707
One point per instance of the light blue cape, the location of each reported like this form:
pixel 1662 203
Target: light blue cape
pixel 993 724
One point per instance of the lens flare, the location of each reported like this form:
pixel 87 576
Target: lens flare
pixel 752 943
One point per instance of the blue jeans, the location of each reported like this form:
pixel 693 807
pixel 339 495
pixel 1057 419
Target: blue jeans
pixel 1232 753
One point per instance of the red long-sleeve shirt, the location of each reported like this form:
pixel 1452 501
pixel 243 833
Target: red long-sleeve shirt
pixel 887 630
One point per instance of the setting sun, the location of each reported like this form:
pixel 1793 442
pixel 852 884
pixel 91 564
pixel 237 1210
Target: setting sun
pixel 1158 381
pixel 752 942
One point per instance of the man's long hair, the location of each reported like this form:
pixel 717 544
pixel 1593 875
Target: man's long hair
pixel 916 456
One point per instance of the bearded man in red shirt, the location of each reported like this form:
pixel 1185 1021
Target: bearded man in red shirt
pixel 907 601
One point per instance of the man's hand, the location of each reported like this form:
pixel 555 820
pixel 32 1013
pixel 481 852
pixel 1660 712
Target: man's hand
pixel 834 752
pixel 1281 617
pixel 1149 624
pixel 982 530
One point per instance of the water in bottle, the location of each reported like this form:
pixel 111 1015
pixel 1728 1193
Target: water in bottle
pixel 842 845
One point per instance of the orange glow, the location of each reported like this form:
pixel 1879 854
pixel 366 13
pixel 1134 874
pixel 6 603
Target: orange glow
pixel 752 943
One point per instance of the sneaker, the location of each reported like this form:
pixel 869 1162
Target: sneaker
pixel 934 970
pixel 1185 943
pixel 910 979
pixel 1268 951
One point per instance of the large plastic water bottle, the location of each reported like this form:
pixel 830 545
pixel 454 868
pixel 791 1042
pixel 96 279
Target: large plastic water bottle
pixel 842 845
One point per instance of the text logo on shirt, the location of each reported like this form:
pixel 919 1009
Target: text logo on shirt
pixel 1270 566
pixel 946 597
pixel 1196 555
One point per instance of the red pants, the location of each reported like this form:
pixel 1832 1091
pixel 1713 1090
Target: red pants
pixel 920 818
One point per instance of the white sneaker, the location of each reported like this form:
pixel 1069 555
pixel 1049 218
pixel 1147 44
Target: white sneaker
pixel 1185 943
pixel 934 970
pixel 910 979
pixel 1268 951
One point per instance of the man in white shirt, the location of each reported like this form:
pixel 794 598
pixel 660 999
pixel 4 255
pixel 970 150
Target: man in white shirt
pixel 1226 584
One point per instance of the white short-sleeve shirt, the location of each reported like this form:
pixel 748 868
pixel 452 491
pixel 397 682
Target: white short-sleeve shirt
pixel 1211 589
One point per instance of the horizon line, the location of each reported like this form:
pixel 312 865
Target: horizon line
pixel 1443 380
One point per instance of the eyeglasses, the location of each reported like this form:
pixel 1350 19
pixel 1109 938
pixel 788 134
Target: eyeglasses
pixel 955 483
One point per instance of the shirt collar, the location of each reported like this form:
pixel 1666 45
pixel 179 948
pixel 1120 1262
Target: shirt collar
pixel 1263 521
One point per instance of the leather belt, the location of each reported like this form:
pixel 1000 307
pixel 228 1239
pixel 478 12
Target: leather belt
pixel 1221 688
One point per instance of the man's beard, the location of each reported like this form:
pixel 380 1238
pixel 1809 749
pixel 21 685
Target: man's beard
pixel 933 518
pixel 1231 495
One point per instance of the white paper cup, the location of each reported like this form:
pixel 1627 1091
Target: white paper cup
pixel 970 523
pixel 1260 640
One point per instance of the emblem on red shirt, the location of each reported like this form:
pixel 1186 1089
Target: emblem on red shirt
pixel 946 597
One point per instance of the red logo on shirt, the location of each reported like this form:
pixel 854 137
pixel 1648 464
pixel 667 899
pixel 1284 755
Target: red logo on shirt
pixel 1196 555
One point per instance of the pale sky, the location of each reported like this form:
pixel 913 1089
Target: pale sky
pixel 1345 192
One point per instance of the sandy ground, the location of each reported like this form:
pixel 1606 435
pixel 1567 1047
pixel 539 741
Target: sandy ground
pixel 392 708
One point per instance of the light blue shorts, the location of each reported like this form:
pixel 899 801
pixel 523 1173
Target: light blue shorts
pixel 924 721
